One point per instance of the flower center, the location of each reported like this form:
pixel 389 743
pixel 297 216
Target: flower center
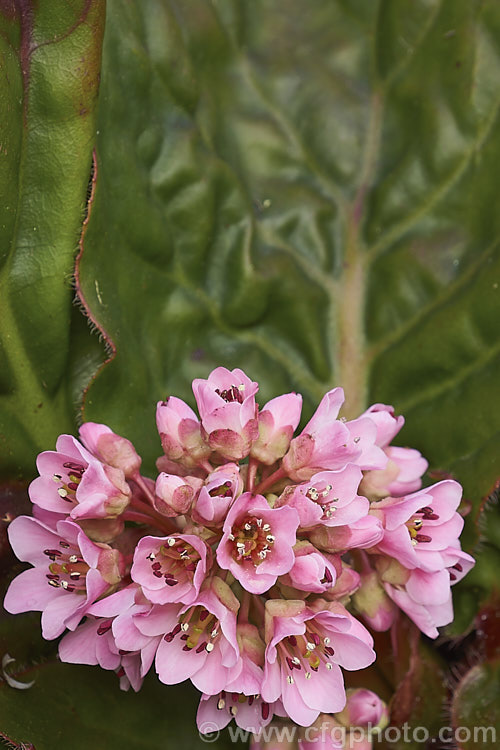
pixel 199 628
pixel 68 484
pixel 223 490
pixel 68 569
pixel 253 540
pixel 234 393
pixel 416 523
pixel 323 497
pixel 305 652
pixel 174 561
pixel 232 701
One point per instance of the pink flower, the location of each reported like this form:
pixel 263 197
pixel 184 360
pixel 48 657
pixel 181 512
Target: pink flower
pixel 278 421
pixel 241 698
pixel 180 433
pixel 329 498
pixel 198 641
pixel 250 712
pixel 312 570
pixel 174 495
pixel 221 488
pixel 257 542
pixel 306 646
pixel 421 533
pixel 93 643
pixel 73 482
pixel 405 467
pixel 420 526
pixel 386 423
pixel 172 568
pixel 110 448
pixel 426 596
pixel 328 443
pixel 120 611
pixel 70 572
pixel 226 402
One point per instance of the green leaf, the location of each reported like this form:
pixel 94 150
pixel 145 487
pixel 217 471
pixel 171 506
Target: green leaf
pixel 309 196
pixel 474 710
pixel 49 80
pixel 84 706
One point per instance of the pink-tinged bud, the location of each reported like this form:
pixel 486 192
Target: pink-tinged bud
pixel 217 495
pixel 391 571
pixel 375 484
pixel 326 734
pixel 250 642
pixel 111 565
pixel 110 448
pixel 180 432
pixel 401 476
pixel 373 604
pixel 312 570
pixel 284 730
pixel 278 421
pixel 222 591
pixel 116 504
pixel 174 495
pixel 102 529
pixel 226 402
pixel 362 534
pixel 363 708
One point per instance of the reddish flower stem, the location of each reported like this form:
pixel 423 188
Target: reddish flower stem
pixel 268 483
pixel 144 487
pixel 161 521
pixel 253 465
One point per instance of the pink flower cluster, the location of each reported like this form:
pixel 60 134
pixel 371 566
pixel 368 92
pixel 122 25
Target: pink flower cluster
pixel 243 565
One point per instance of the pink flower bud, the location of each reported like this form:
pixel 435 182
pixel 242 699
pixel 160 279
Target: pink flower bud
pixel 174 495
pixel 373 604
pixel 102 529
pixel 363 708
pixel 110 448
pixel 277 423
pixel 180 432
pixel 312 570
pixel 360 535
pixel 111 565
pixel 217 495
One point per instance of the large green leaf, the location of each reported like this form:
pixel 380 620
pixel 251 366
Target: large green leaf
pixel 83 707
pixel 49 75
pixel 307 192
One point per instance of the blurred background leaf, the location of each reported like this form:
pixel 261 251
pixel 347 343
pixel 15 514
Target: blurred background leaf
pixel 307 195
pixel 49 76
